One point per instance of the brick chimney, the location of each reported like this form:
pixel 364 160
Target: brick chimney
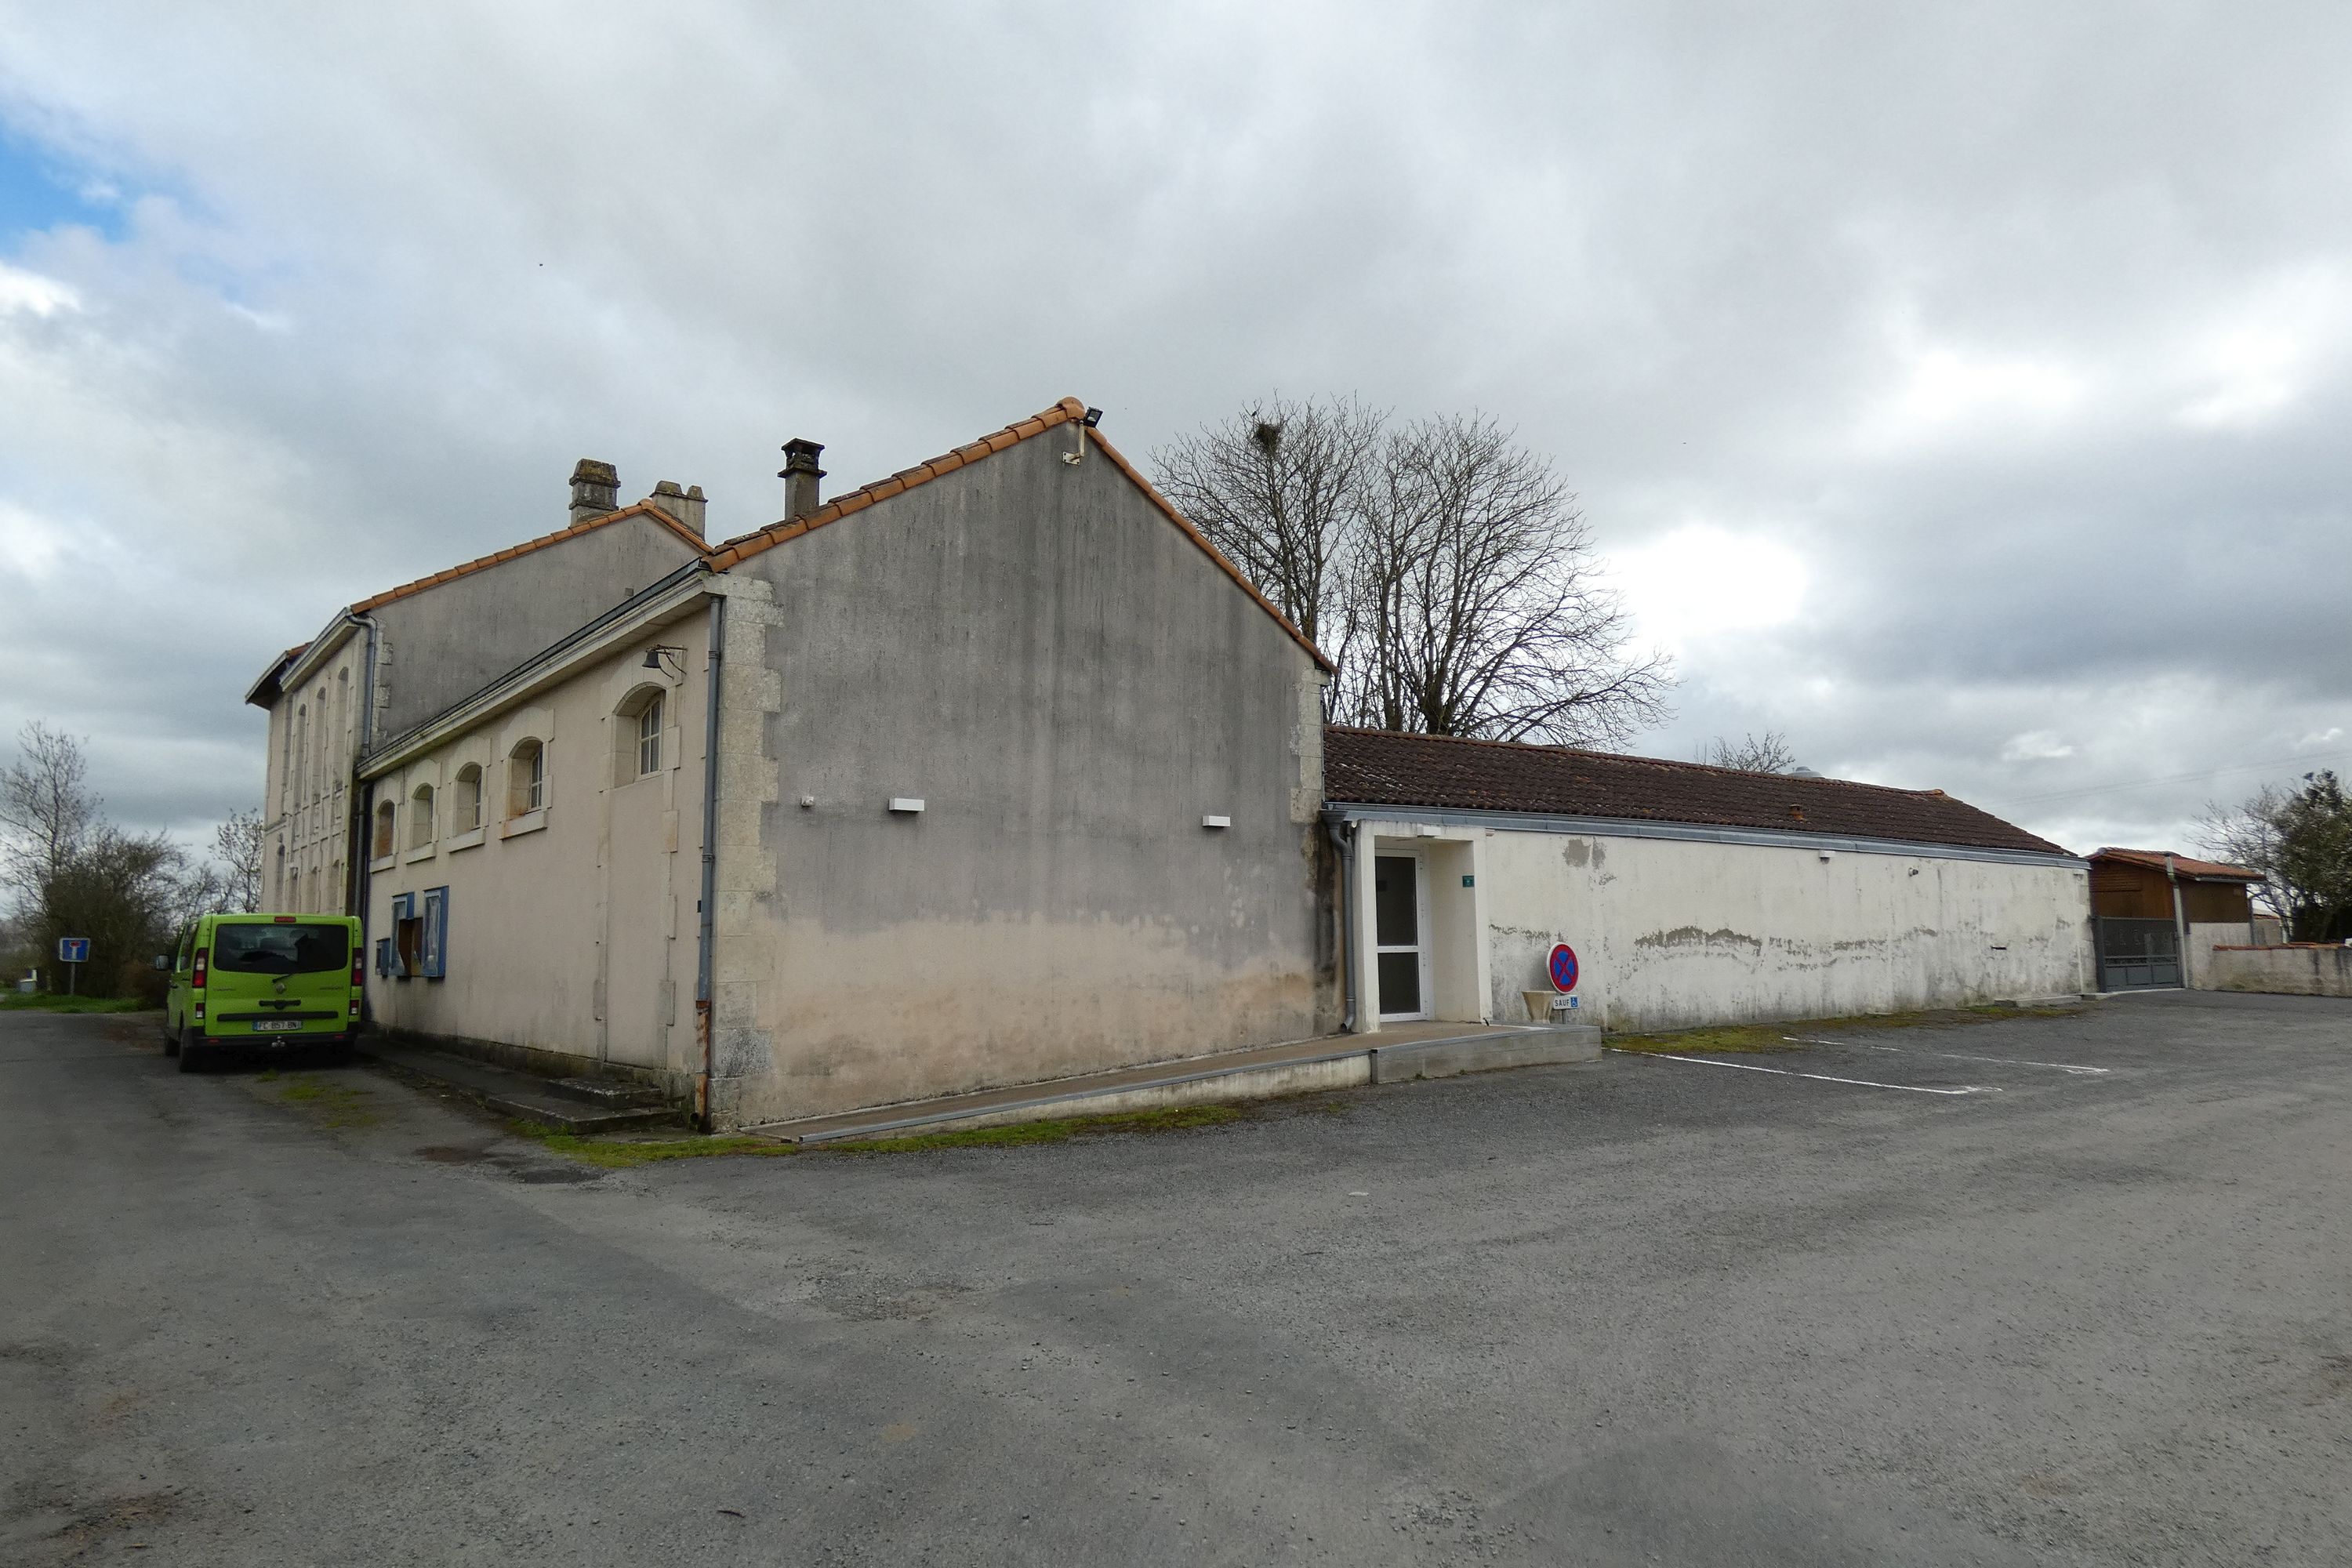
pixel 683 505
pixel 596 489
pixel 801 474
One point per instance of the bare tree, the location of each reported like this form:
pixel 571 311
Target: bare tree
pixel 1766 753
pixel 47 810
pixel 236 846
pixel 2247 834
pixel 1280 489
pixel 2300 840
pixel 1474 602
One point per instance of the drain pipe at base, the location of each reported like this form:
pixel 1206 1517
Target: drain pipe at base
pixel 1346 843
pixel 704 913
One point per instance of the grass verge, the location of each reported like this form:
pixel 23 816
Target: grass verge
pixel 1020 1134
pixel 616 1154
pixel 621 1151
pixel 1759 1038
pixel 18 1002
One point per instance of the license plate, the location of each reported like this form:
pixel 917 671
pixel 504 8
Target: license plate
pixel 271 1025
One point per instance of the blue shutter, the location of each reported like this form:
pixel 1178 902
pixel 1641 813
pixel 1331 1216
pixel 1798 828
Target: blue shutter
pixel 437 932
pixel 383 957
pixel 404 909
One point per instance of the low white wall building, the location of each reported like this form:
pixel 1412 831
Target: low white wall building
pixel 1689 895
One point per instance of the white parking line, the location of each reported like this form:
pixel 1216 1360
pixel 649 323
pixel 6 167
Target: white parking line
pixel 1954 1056
pixel 1816 1077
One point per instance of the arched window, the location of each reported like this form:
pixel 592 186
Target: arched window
pixel 420 818
pixel 277 895
pixel 312 907
pixel 637 735
pixel 526 778
pixel 466 799
pixel 301 755
pixel 383 817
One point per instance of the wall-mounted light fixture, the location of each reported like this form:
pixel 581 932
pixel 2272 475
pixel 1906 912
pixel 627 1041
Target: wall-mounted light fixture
pixel 1078 455
pixel 1216 822
pixel 905 803
pixel 661 657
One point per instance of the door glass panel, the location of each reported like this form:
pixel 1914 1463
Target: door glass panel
pixel 1399 982
pixel 1395 919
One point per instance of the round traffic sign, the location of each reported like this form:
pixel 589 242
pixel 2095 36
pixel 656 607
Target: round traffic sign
pixel 1562 967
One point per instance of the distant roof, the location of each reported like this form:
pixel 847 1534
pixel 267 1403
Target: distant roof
pixel 642 509
pixel 2182 865
pixel 263 690
pixel 1379 767
pixel 744 546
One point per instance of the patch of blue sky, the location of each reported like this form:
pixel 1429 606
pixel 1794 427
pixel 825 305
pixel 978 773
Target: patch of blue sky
pixel 39 191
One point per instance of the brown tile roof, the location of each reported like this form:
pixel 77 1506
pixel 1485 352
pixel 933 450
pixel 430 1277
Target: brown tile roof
pixel 643 508
pixel 1376 767
pixel 744 546
pixel 2195 870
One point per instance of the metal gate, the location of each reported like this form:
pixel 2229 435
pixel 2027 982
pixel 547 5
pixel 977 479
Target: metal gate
pixel 2138 955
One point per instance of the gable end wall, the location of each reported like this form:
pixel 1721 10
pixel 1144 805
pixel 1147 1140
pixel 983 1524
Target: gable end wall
pixel 1069 685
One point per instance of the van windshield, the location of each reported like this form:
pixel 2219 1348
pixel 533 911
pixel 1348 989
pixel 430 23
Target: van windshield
pixel 280 950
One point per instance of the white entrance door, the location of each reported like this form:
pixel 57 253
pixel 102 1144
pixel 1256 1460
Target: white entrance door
pixel 1400 935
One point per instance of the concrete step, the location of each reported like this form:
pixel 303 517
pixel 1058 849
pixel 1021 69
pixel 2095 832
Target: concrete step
pixel 549 1103
pixel 1298 1067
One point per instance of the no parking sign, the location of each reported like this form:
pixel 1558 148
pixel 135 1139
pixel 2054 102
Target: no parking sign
pixel 1561 967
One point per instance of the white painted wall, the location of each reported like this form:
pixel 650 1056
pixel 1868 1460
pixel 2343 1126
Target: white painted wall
pixel 1673 933
pixel 2199 970
pixel 572 929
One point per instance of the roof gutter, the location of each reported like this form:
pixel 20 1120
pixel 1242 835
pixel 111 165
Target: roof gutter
pixel 1691 832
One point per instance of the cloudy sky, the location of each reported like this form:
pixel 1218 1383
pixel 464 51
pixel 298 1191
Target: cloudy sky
pixel 1960 391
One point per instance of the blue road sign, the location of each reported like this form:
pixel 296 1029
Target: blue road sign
pixel 73 950
pixel 1562 967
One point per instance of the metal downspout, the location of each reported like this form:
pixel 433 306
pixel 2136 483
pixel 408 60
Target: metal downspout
pixel 2180 917
pixel 364 878
pixel 1346 843
pixel 705 914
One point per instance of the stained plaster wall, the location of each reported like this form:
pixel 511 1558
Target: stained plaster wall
pixel 306 795
pixel 2302 969
pixel 1069 685
pixel 443 644
pixel 1677 934
pixel 545 908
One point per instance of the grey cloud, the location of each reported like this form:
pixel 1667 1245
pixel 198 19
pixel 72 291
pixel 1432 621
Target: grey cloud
pixel 404 267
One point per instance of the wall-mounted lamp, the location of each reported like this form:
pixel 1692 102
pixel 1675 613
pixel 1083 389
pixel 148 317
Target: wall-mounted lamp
pixel 1093 418
pixel 658 656
pixel 905 803
pixel 1216 822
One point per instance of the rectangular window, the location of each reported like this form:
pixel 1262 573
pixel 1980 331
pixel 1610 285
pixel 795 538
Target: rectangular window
pixel 534 778
pixel 649 725
pixel 299 949
pixel 434 934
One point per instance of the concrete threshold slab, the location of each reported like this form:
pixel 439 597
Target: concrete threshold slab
pixel 520 1095
pixel 1296 1067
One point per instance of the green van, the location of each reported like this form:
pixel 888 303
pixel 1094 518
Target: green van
pixel 262 981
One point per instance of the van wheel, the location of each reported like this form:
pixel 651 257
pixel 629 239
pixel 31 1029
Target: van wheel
pixel 171 1042
pixel 191 1060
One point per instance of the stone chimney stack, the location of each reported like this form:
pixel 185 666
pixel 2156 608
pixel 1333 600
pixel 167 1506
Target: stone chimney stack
pixel 596 489
pixel 801 474
pixel 683 505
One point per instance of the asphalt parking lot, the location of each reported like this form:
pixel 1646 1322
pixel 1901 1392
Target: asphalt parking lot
pixel 2072 1289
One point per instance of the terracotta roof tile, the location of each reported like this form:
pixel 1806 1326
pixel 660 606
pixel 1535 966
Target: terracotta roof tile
pixel 2197 870
pixel 643 508
pixel 1378 767
pixel 744 546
